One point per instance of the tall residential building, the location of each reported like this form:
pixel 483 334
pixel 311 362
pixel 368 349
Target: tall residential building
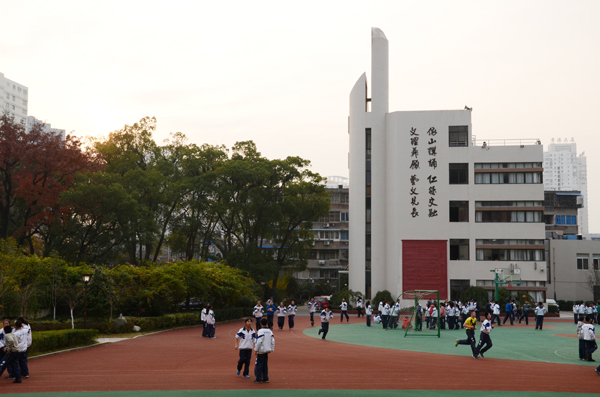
pixel 431 207
pixel 13 99
pixel 329 254
pixel 565 170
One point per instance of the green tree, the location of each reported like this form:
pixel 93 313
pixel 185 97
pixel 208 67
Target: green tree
pixel 28 278
pixel 72 287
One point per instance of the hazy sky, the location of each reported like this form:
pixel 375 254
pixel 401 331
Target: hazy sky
pixel 280 72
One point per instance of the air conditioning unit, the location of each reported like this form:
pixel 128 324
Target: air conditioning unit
pixel 327 243
pixel 516 270
pixel 321 262
pixel 326 225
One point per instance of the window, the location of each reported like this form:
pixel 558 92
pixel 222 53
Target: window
pixel 345 216
pixel 508 177
pixel 596 261
pixel 509 216
pixel 459 173
pixel 582 261
pixel 459 211
pixel 501 254
pixel 344 235
pixel 560 219
pixel 458 136
pixel 459 249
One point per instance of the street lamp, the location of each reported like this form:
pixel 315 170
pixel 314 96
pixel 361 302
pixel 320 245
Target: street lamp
pixel 86 280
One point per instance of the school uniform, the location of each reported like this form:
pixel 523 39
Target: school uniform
pixel 204 324
pixel 595 314
pixel 581 311
pixel 465 315
pixel 525 314
pixel 589 337
pixel 312 307
pixel 3 351
pixel 581 340
pixel 433 317
pixel 359 307
pixel 265 344
pixel 325 317
pixel 210 324
pixel 24 349
pixel 496 313
pixel 539 317
pixel 292 309
pixel 11 358
pixel 450 314
pixel 281 312
pixel 470 335
pixel 369 313
pixel 344 312
pixel 385 315
pixel 575 313
pixel 443 317
pixel 419 324
pixel 258 314
pixel 510 313
pixel 484 338
pixel 395 314
pixel 246 345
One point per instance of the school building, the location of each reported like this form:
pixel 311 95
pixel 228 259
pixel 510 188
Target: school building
pixel 433 206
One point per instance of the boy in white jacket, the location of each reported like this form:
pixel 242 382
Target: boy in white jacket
pixel 265 344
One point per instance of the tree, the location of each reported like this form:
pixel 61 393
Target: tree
pixel 35 168
pixel 72 287
pixel 54 275
pixel 28 278
pixel 9 255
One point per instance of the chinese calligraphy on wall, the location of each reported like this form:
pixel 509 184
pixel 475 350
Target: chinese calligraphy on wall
pixel 431 184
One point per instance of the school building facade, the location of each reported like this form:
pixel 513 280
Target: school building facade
pixel 434 208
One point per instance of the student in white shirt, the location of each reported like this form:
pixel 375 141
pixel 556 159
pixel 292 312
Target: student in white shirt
pixel 244 342
pixel 484 337
pixel 210 322
pixel 359 306
pixel 589 338
pixel 265 344
pixel 292 309
pixel 326 315
pixel 344 311
pixel 258 312
pixel 576 312
pixel 394 315
pixel 540 310
pixel 281 312
pixel 496 313
pixel 369 312
pixel 312 307
pixel 22 333
pixel 385 315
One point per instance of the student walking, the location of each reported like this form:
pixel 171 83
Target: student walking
pixel 24 334
pixel 281 312
pixel 344 311
pixel 312 307
pixel 540 310
pixel 11 358
pixel 270 313
pixel 433 316
pixel 484 337
pixel 326 315
pixel 581 340
pixel 203 315
pixel 576 312
pixel 385 315
pixel 244 343
pixel 469 325
pixel 359 306
pixel 265 344
pixel 369 312
pixel 258 313
pixel 510 313
pixel 589 338
pixel 395 314
pixel 292 309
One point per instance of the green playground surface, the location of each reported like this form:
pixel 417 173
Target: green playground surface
pixel 509 342
pixel 294 393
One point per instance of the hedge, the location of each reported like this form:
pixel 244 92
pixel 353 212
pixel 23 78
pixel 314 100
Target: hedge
pixel 145 323
pixel 48 341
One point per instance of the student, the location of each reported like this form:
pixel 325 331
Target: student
pixel 510 313
pixel 576 312
pixel 470 325
pixel 581 340
pixel 484 337
pixel 258 313
pixel 244 342
pixel 589 337
pixel 433 313
pixel 292 309
pixel 359 306
pixel 525 313
pixel 210 323
pixel 203 315
pixel 265 344
pixel 496 313
pixel 369 312
pixel 540 310
pixel 395 314
pixel 281 312
pixel 443 317
pixel 11 357
pixel 344 311
pixel 24 348
pixel 594 313
pixel 326 315
pixel 270 313
pixel 312 307
pixel 581 310
pixel 419 322
pixel 465 315
pixel 385 315
pixel 3 349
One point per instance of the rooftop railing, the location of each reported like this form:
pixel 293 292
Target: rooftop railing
pixel 504 142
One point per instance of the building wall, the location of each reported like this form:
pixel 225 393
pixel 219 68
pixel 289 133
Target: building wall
pixel 14 99
pixel 566 282
pixel 404 208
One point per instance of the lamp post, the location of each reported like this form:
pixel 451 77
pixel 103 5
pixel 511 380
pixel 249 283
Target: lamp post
pixel 86 280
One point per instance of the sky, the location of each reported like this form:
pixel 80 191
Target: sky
pixel 280 72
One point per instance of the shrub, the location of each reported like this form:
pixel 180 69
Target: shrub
pixel 48 341
pixel 382 296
